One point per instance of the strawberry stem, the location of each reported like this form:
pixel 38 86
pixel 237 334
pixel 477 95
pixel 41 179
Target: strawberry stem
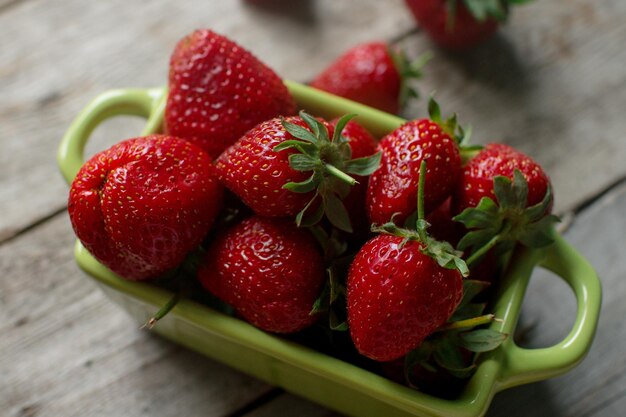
pixel 468 323
pixel 340 174
pixel 163 311
pixel 183 275
pixel 483 250
pixel 420 191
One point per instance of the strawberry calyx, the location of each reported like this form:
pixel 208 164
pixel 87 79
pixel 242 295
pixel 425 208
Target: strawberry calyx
pixel 500 225
pixel 330 162
pixel 408 72
pixel 441 251
pixel 452 348
pixel 452 127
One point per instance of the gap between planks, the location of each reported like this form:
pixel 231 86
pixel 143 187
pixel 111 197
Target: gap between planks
pixel 260 401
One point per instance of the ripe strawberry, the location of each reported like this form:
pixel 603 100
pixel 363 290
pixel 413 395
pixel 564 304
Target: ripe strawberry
pixel 504 197
pixel 372 73
pixel 493 160
pixel 397 296
pixel 459 24
pixel 287 167
pixel 218 91
pixel 402 286
pixel 393 187
pixel 140 206
pixel 270 271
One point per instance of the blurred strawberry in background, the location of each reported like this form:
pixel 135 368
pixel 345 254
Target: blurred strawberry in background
pixel 373 73
pixel 460 24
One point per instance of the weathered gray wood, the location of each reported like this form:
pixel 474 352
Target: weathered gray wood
pixel 68 351
pixel 58 55
pixel 552 83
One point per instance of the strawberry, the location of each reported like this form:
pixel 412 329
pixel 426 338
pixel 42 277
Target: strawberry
pixel 392 189
pixel 454 25
pixel 293 166
pixel 406 296
pixel 504 197
pixel 402 286
pixel 499 159
pixel 372 73
pixel 397 296
pixel 140 206
pixel 218 91
pixel 270 271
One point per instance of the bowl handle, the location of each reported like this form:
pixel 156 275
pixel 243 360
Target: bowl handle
pixel 145 103
pixel 522 365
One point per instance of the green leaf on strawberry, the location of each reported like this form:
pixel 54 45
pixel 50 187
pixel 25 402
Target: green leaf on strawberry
pixel 330 162
pixel 503 223
pixel 482 340
pixel 441 251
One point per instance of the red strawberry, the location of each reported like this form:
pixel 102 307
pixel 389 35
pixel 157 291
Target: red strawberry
pixel 373 74
pixel 452 25
pixel 393 187
pixel 142 205
pixel 284 167
pixel 270 271
pixel 218 91
pixel 504 197
pixel 494 160
pixel 401 287
pixel 397 296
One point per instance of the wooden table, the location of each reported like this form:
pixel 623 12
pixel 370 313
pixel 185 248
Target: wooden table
pixel 553 83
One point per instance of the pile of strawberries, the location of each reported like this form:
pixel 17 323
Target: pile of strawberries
pixel 300 223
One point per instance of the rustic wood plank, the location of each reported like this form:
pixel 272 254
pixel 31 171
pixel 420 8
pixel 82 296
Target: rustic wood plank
pixel 551 83
pixel 68 351
pixel 64 53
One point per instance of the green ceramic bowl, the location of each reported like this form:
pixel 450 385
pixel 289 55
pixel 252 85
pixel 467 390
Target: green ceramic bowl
pixel 313 375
